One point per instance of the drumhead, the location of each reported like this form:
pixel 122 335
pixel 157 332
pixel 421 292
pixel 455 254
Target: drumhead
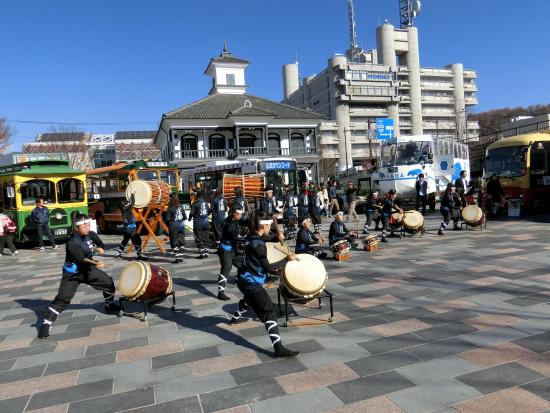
pixel 472 213
pixel 413 219
pixel 275 252
pixel 132 278
pixel 398 217
pixel 142 193
pixel 306 276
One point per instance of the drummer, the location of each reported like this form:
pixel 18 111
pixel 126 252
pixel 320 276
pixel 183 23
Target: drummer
pixel 199 214
pixel 450 208
pixel 268 204
pixel 175 217
pixel 251 278
pixel 80 267
pixel 305 240
pixel 338 231
pixel 130 231
pixel 371 211
pixel 240 203
pixel 219 213
pixel 230 249
pixel 388 208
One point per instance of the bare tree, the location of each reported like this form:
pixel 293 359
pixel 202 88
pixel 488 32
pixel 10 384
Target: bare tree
pixel 327 168
pixel 5 134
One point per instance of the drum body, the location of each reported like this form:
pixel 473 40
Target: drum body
pixel 396 221
pixel 370 240
pixel 413 222
pixel 148 193
pixel 340 250
pixel 276 252
pixel 143 281
pixel 473 215
pixel 304 278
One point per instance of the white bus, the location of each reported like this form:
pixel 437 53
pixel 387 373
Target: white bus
pixel 277 173
pixel 440 160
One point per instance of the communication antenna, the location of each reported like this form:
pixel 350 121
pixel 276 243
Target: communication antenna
pixel 408 11
pixel 352 34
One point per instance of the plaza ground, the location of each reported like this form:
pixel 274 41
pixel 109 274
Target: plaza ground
pixel 452 323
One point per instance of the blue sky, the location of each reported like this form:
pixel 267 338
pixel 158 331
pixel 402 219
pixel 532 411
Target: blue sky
pixel 130 61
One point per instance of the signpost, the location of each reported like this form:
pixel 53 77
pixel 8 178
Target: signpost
pixel 384 129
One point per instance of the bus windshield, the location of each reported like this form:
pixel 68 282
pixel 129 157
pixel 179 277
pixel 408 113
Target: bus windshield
pixel 507 162
pixel 406 153
pixel 37 188
pixel 169 177
pixel 148 175
pixel 280 179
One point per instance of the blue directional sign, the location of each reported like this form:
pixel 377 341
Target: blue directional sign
pixel 384 129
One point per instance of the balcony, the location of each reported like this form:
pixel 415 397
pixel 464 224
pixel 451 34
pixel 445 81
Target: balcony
pixel 250 152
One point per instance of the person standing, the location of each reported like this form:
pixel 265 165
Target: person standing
pixel 351 199
pixel 289 213
pixel 463 188
pixel 495 195
pixel 450 209
pixel 388 208
pixel 130 231
pixel 251 280
pixel 40 216
pixel 333 199
pixel 314 208
pixel 230 250
pixel 175 217
pixel 7 234
pixel 268 204
pixel 80 268
pixel 199 214
pixel 303 204
pixel 219 213
pixel 421 193
pixel 371 211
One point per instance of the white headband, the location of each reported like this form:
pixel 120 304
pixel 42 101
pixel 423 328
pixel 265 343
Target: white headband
pixel 238 211
pixel 266 221
pixel 304 220
pixel 339 213
pixel 82 222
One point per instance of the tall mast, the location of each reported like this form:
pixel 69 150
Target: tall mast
pixel 352 34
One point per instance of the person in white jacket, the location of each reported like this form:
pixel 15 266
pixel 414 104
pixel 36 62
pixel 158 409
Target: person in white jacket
pixel 7 233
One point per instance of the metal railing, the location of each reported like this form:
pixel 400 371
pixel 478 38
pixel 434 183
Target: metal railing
pixel 247 152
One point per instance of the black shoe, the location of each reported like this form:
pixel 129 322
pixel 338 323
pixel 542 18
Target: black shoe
pixel 354 245
pixel 322 255
pixel 112 308
pixel 384 240
pixel 142 258
pixel 223 297
pixel 440 232
pixel 281 351
pixel 44 330
pixel 178 260
pixel 457 229
pixel 200 257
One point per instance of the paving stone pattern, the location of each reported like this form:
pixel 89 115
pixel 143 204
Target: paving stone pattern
pixel 456 323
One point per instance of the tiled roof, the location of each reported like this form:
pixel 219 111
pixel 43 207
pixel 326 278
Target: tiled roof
pixel 221 106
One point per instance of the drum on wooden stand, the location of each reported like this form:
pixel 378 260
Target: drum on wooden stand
pixel 370 243
pixel 340 250
pixel 155 194
pixel 413 222
pixel 473 215
pixel 304 278
pixel 396 221
pixel 141 281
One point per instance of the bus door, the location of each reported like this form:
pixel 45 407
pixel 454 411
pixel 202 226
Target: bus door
pixel 540 165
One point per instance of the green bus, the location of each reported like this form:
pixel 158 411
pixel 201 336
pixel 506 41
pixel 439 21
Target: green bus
pixel 63 188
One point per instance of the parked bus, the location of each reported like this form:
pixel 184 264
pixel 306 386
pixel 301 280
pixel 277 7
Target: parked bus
pixel 523 165
pixel 275 172
pixel 107 187
pixel 440 160
pixel 63 189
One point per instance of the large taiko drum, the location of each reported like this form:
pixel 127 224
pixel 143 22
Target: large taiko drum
pixel 396 221
pixel 276 252
pixel 148 193
pixel 413 222
pixel 304 278
pixel 473 215
pixel 144 281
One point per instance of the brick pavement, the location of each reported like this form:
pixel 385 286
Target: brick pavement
pixel 452 324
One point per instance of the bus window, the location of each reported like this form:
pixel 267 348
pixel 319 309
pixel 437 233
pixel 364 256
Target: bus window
pixel 122 182
pixel 540 158
pixel 9 196
pixel 148 175
pixel 169 177
pixel 37 188
pixel 70 190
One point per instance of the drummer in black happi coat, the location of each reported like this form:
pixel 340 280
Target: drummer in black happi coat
pixel 388 208
pixel 175 217
pixel 338 231
pixel 80 268
pixel 305 240
pixel 219 213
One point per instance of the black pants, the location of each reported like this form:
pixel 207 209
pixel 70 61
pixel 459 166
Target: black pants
pixel 217 226
pixel 200 231
pixel 449 214
pixel 176 231
pixel 228 259
pixel 69 284
pixel 130 234
pixel 257 298
pixel 371 216
pixel 315 214
pixel 44 229
pixel 421 200
pixel 7 239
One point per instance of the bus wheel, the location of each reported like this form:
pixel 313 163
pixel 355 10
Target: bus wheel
pixel 101 224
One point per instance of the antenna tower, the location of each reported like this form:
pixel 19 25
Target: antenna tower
pixel 352 34
pixel 408 10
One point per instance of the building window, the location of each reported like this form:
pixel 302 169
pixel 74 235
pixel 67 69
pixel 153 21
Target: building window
pixel 230 79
